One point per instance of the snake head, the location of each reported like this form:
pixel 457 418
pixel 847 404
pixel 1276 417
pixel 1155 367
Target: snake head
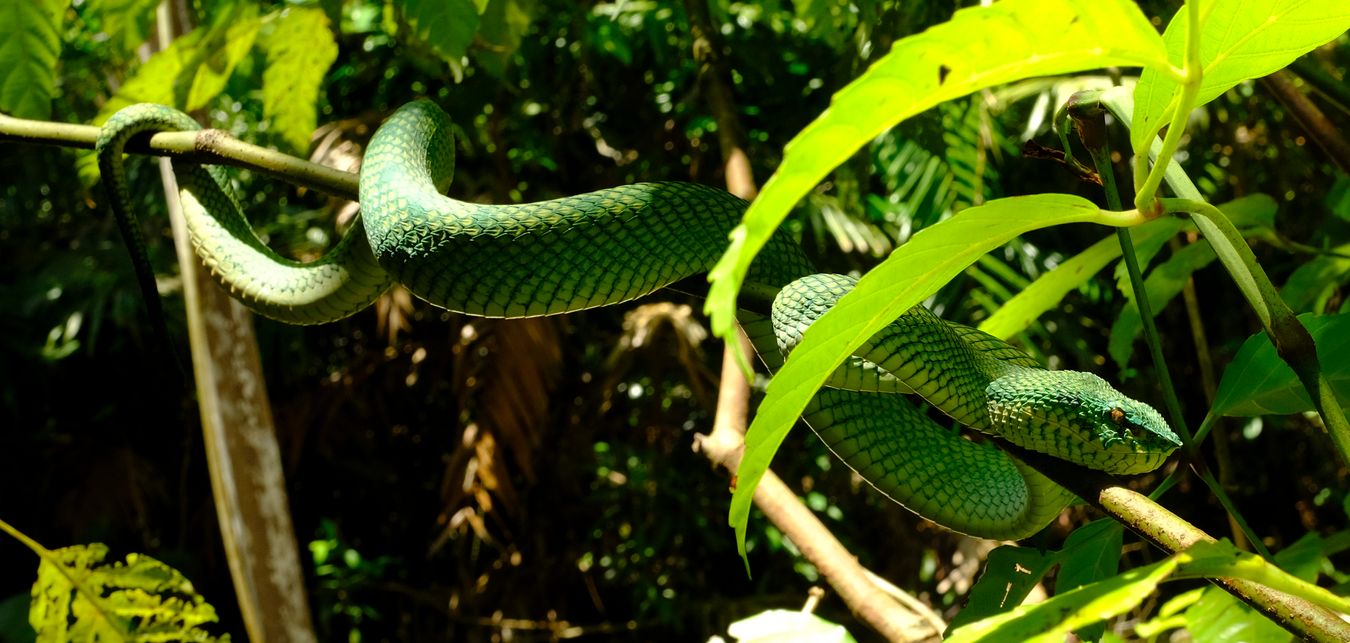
pixel 1080 418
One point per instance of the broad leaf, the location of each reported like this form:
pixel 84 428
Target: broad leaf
pixel 1050 288
pixel 187 75
pixel 1218 616
pixel 446 26
pixel 127 23
pixel 1091 553
pixel 1258 382
pixel 1010 573
pixel 979 47
pixel 1053 619
pixel 81 597
pixel 30 43
pixel 930 259
pixel 1312 282
pixel 1239 40
pixel 299 52
pixel 504 24
pixel 1163 284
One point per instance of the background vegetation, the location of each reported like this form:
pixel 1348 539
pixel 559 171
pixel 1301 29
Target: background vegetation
pixel 456 477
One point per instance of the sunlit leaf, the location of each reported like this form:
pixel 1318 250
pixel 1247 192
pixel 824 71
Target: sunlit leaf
pixel 1090 554
pixel 30 44
pixel 187 75
pixel 1239 39
pixel 1053 619
pixel 1217 615
pixel 979 47
pixel 1015 315
pixel 81 597
pixel 1258 382
pixel 1010 573
pixel 299 52
pixel 914 271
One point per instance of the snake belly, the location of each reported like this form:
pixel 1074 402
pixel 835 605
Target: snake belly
pixel 618 244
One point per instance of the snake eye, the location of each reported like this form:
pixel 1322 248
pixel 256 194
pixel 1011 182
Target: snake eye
pixel 1117 415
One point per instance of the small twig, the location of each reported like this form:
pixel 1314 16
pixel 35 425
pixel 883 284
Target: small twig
pixel 207 146
pixel 1173 534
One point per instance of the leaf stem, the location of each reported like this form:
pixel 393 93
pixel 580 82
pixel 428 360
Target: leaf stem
pixel 1292 341
pixel 37 548
pixel 1146 192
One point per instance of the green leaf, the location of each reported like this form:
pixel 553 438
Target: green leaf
pixel 1239 40
pixel 979 47
pixel 1258 382
pixel 213 61
pixel 1163 284
pixel 127 23
pixel 1338 198
pixel 187 75
pixel 299 52
pixel 914 271
pixel 1311 283
pixel 1050 288
pixel 30 44
pixel 1010 573
pixel 1053 619
pixel 1091 553
pixel 504 24
pixel 81 597
pixel 446 26
pixel 1218 616
pixel 790 626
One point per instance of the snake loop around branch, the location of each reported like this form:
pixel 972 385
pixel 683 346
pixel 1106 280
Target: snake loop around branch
pixel 618 244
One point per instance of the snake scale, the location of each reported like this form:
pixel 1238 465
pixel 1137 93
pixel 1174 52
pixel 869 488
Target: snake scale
pixel 618 244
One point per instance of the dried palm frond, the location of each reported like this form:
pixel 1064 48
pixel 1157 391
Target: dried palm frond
pixel 645 330
pixel 505 373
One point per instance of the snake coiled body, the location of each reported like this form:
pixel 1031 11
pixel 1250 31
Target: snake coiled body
pixel 614 245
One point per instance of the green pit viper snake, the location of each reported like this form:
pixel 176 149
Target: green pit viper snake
pixel 617 244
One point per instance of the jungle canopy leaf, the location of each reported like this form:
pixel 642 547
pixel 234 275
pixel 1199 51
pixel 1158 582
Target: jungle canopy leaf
pixel 299 52
pixel 1239 40
pixel 930 259
pixel 1258 382
pixel 30 42
pixel 979 47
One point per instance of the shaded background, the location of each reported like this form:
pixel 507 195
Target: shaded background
pixel 446 472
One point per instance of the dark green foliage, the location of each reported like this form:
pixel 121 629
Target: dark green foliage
pixel 599 514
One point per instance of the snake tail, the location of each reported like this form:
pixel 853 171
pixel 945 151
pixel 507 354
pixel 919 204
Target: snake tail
pixel 345 280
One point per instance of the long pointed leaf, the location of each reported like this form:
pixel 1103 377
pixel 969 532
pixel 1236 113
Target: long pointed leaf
pixel 979 47
pixel 916 270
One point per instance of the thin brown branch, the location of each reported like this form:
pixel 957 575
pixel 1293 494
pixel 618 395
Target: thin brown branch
pixel 207 146
pixel 1173 534
pixel 725 445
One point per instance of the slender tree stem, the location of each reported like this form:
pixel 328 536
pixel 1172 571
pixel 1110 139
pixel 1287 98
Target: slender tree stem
pixel 207 146
pixel 1173 534
pixel 1147 187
